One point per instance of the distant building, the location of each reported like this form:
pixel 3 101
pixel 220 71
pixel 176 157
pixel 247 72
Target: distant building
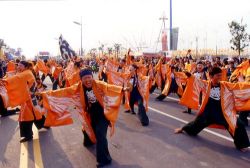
pixel 164 40
pixel 175 34
pixel 44 55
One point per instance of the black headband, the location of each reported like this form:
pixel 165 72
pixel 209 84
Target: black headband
pixel 84 72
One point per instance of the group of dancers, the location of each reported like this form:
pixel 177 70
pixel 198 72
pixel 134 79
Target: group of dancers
pixel 217 89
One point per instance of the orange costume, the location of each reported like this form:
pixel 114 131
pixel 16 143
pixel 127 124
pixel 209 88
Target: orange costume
pixel 234 97
pixel 11 69
pixel 20 91
pixel 40 66
pixel 71 74
pixel 240 71
pixel 64 103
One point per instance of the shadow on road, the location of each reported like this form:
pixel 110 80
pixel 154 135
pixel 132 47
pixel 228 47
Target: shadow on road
pixel 7 131
pixel 117 165
pixel 52 153
pixel 188 143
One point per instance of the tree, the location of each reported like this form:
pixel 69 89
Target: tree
pixel 110 49
pixel 101 48
pixel 117 49
pixel 2 44
pixel 93 52
pixel 240 38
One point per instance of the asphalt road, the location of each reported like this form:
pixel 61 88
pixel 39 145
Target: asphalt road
pixel 132 146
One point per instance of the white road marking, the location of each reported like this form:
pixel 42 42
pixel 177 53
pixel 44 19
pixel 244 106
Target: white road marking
pixel 176 99
pixel 185 122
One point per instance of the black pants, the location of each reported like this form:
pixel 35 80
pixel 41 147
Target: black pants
pixel 173 89
pixel 26 127
pixel 152 89
pixel 240 137
pixel 63 84
pixel 243 117
pixel 136 97
pixel 55 84
pixel 3 110
pixel 50 76
pixel 100 129
pixel 104 77
pixel 163 82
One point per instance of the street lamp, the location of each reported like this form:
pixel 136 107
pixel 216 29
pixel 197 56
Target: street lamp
pixel 80 24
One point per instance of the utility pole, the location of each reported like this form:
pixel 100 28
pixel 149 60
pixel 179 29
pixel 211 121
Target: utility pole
pixel 196 39
pixel 216 47
pixel 80 24
pixel 164 18
pixel 171 27
pixel 81 37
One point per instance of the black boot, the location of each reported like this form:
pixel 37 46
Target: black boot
pixel 161 97
pixel 26 139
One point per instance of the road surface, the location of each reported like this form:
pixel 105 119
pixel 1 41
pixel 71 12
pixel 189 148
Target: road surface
pixel 132 146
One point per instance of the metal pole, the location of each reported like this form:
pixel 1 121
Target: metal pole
pixel 81 36
pixel 171 27
pixel 216 50
pixel 196 46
